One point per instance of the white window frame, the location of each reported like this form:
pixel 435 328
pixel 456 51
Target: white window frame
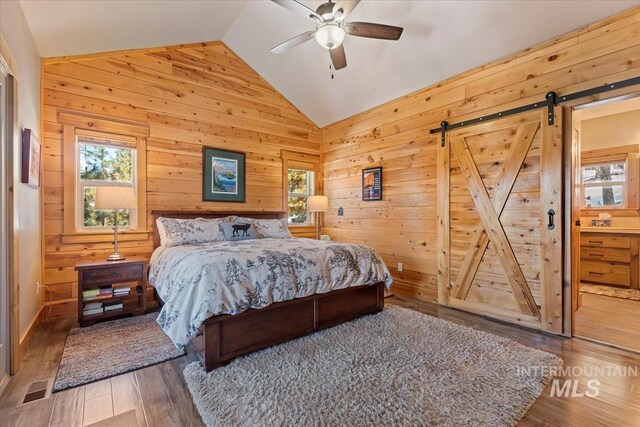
pixel 311 185
pixel 81 184
pixel 623 184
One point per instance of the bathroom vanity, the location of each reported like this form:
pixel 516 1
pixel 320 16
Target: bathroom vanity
pixel 609 256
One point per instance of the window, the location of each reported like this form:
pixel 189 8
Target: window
pixel 102 152
pixel 603 184
pixel 300 176
pixel 300 186
pixel 609 181
pixel 103 165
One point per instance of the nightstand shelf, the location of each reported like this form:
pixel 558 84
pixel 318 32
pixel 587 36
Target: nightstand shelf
pixel 135 291
pixel 106 274
pixel 129 307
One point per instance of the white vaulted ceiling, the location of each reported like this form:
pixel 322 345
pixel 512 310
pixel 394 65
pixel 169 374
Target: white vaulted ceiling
pixel 440 39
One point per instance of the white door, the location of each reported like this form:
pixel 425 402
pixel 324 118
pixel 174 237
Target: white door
pixel 4 228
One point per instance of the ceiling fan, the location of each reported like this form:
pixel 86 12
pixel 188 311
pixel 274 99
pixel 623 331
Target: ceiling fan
pixel 331 29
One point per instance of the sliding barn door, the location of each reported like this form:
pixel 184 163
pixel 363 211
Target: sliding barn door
pixel 499 208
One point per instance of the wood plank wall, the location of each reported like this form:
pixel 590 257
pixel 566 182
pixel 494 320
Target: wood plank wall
pixel 402 227
pixel 189 96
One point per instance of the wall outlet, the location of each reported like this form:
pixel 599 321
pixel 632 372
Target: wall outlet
pixel 400 266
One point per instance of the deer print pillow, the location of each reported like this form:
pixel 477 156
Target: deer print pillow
pixel 272 228
pixel 240 230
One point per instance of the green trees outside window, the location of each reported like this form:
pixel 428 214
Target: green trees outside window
pixel 102 165
pixel 300 188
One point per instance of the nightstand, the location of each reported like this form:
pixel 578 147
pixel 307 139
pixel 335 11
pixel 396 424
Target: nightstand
pixel 111 289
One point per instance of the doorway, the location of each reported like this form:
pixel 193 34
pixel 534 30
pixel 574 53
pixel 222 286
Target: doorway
pixel 5 180
pixel 607 192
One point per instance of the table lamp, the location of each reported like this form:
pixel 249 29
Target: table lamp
pixel 114 198
pixel 318 204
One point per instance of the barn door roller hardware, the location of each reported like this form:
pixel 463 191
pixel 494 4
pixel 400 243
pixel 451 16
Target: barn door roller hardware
pixel 551 99
pixel 443 129
pixel 551 102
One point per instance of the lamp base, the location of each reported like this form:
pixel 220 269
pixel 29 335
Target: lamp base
pixel 115 257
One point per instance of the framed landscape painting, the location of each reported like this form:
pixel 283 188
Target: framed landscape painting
pixel 372 184
pixel 223 175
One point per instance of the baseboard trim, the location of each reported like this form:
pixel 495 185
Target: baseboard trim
pixel 604 343
pixel 25 340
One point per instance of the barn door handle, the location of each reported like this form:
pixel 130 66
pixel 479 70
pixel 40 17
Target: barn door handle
pixel 551 214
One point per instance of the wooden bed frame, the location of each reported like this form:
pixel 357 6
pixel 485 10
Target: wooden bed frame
pixel 225 337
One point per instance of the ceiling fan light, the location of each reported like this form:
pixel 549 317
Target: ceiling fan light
pixel 330 36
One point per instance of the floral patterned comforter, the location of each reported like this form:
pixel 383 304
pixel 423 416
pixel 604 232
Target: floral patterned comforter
pixel 200 281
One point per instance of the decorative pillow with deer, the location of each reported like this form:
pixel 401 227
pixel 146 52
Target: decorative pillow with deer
pixel 239 230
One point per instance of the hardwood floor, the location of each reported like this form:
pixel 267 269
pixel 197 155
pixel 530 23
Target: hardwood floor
pixel 160 396
pixel 610 320
pixel 158 393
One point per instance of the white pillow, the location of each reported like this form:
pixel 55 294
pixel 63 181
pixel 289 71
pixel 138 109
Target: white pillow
pixel 176 231
pixel 272 228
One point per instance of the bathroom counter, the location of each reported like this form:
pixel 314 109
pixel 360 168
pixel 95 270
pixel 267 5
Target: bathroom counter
pixel 610 230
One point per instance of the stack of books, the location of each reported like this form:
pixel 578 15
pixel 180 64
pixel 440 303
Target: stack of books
pixel 91 308
pixel 100 292
pixel 116 304
pixel 121 291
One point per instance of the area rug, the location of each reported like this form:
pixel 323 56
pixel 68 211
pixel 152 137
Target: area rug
pixel 112 348
pixel 399 367
pixel 610 291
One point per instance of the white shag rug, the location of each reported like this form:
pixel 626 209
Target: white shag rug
pixel 398 367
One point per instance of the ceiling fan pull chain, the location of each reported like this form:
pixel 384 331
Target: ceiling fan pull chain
pixel 331 70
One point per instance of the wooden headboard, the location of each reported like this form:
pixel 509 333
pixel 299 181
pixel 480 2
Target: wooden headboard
pixel 208 214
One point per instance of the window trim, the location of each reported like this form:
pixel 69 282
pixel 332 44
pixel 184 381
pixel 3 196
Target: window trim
pixel 100 129
pixel 300 161
pixel 627 154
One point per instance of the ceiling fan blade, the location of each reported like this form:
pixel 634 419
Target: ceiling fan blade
pixel 299 9
pixel 346 7
pixel 293 42
pixel 338 57
pixel 374 31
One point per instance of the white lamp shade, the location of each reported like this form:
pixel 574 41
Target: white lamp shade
pixel 330 35
pixel 318 204
pixel 111 198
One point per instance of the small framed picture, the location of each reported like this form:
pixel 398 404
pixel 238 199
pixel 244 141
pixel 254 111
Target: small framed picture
pixel 372 184
pixel 31 155
pixel 223 175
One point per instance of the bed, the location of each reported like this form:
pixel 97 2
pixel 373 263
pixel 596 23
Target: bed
pixel 223 324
